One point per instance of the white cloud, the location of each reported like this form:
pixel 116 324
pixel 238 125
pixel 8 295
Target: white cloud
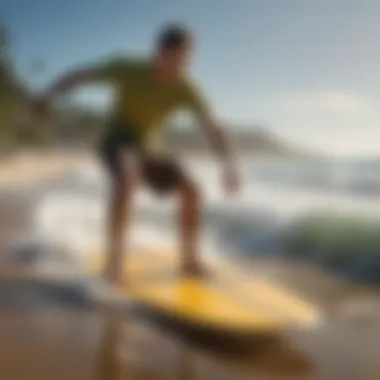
pixel 335 122
pixel 323 103
pixel 336 142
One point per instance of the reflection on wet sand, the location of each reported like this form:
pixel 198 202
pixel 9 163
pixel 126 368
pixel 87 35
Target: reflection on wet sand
pixel 132 350
pixel 129 349
pixel 109 365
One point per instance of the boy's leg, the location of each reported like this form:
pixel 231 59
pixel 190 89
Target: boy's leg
pixel 166 176
pixel 123 177
pixel 190 225
pixel 119 211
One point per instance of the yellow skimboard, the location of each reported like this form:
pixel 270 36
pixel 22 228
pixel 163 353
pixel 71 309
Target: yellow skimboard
pixel 252 307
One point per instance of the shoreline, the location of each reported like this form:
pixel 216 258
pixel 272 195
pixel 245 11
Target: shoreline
pixel 33 167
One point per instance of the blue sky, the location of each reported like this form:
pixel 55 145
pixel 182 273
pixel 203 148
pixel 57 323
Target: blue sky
pixel 307 69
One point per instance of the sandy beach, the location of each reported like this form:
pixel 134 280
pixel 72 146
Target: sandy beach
pixel 36 167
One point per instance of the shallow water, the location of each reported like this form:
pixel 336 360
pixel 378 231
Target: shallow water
pixel 255 224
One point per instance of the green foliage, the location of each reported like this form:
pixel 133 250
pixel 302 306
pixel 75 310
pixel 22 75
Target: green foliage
pixel 13 93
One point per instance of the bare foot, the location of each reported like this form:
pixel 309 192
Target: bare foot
pixel 114 278
pixel 196 269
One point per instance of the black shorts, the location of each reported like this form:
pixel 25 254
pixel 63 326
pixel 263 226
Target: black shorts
pixel 160 173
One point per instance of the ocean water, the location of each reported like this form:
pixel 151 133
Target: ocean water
pixel 275 195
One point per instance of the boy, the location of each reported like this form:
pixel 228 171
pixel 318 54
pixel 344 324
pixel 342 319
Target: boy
pixel 147 91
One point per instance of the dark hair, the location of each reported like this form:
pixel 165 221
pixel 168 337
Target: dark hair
pixel 173 37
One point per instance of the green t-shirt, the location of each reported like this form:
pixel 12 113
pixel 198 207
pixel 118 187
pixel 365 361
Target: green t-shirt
pixel 143 101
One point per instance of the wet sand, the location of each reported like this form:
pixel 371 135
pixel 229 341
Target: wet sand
pixel 45 339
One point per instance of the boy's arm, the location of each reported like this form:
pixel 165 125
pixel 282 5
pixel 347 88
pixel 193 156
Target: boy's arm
pixel 221 144
pixel 69 82
pixel 216 136
pixel 104 72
